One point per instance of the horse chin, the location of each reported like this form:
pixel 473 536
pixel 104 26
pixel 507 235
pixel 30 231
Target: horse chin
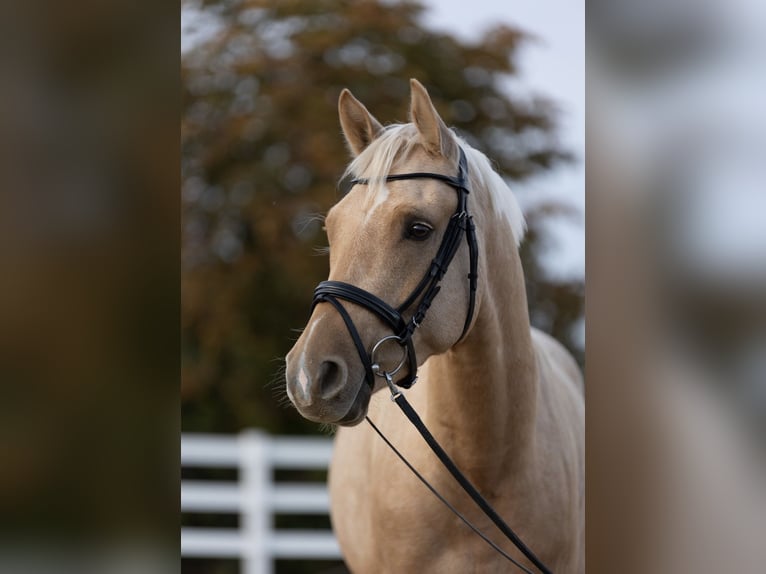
pixel 358 409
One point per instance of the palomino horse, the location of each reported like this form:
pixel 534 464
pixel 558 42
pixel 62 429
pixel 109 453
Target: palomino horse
pixel 505 400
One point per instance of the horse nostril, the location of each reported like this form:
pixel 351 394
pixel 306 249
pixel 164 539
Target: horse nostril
pixel 331 378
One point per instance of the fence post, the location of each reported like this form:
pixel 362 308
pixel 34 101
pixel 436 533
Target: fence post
pixel 256 483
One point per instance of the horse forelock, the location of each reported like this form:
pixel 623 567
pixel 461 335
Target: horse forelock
pixel 377 159
pixel 398 140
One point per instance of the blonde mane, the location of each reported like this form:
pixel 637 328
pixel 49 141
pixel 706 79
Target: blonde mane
pixel 376 162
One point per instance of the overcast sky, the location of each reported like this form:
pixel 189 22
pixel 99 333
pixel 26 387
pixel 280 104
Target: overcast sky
pixel 554 65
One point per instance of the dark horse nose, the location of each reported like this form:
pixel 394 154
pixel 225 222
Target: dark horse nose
pixel 330 378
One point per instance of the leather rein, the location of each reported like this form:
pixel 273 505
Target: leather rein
pixel 460 223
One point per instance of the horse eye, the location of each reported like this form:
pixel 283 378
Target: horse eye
pixel 419 231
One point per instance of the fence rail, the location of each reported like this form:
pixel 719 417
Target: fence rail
pixel 256 497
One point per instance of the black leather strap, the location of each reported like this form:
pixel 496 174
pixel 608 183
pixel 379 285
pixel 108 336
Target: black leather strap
pixel 458 182
pixel 473 274
pixel 469 488
pixel 390 316
pixel 455 182
pixel 360 349
pixel 444 501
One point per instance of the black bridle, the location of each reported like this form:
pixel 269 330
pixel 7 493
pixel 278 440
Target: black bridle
pixel 461 223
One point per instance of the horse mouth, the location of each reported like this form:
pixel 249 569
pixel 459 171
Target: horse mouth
pixel 358 409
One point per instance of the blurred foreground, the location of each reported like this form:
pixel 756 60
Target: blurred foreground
pixel 676 287
pixel 89 292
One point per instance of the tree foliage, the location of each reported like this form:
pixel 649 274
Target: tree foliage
pixel 262 153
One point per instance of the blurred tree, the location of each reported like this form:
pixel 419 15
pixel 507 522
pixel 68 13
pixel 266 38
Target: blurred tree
pixel 262 152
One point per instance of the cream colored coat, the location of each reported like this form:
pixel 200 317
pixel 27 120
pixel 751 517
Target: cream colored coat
pixel 506 402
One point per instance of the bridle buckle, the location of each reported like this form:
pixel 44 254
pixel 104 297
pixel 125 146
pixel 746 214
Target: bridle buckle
pixel 395 391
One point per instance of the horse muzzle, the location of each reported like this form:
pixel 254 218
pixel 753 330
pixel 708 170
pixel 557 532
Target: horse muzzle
pixel 325 393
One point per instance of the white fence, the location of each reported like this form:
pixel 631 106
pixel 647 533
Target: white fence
pixel 256 497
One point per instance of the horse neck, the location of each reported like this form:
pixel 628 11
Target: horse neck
pixel 483 393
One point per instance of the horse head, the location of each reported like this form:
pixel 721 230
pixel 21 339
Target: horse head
pixel 383 237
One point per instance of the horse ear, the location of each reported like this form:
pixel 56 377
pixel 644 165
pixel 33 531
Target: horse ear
pixel 359 126
pixel 423 114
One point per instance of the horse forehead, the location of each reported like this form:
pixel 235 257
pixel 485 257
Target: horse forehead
pixel 416 158
pixel 363 209
pixel 370 204
pixel 400 198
